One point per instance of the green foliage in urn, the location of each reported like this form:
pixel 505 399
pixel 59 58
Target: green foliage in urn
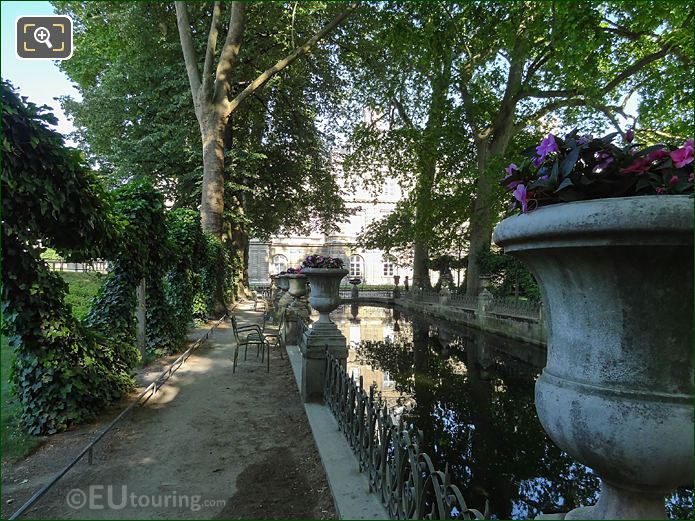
pixel 63 373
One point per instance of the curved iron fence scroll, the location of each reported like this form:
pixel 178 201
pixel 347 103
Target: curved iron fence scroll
pixel 398 471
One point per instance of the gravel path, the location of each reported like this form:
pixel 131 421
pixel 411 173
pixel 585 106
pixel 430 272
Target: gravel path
pixel 210 445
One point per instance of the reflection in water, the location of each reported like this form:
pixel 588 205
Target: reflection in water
pixel 472 396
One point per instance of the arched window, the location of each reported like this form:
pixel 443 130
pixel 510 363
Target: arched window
pixel 356 266
pixel 279 264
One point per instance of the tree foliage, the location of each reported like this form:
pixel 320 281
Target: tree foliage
pixel 136 118
pixel 495 73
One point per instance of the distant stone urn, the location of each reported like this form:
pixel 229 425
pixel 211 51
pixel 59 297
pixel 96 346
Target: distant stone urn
pixel 617 389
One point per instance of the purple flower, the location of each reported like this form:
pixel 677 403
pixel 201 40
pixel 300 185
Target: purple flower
pixel 538 161
pixel 683 156
pixel 547 146
pixel 604 160
pixel 583 140
pixel 629 135
pixel 521 196
pixel 510 169
pixel 544 177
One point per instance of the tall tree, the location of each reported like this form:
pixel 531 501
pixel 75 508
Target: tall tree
pixel 136 117
pixel 513 68
pixel 215 96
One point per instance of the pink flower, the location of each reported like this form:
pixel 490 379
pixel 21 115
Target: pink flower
pixel 657 154
pixel 683 156
pixel 641 164
pixel 660 190
pixel 521 196
pixel 638 166
pixel 673 180
pixel 690 178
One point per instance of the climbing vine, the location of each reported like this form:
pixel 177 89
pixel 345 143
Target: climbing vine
pixel 66 371
pixel 62 373
pixel 142 253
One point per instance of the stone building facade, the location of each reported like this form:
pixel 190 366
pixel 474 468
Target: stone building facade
pixel 282 252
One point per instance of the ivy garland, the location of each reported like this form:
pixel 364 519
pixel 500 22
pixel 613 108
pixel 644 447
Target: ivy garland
pixel 66 371
pixel 62 372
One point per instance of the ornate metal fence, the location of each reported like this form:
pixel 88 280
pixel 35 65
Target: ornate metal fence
pixel 397 470
pixel 462 300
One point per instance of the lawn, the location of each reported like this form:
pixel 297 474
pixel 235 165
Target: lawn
pixel 15 443
pixel 83 286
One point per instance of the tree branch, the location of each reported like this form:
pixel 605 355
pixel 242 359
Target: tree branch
pixel 635 68
pixel 230 51
pixel 188 51
pixel 210 50
pixel 280 65
pixel 536 93
pixel 402 113
pixel 580 99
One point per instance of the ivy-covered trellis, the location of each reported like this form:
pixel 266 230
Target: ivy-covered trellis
pixel 63 373
pixel 67 371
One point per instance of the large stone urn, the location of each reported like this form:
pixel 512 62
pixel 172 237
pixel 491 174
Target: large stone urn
pixel 323 334
pixel 617 389
pixel 298 309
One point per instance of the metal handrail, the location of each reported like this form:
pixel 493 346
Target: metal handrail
pixel 141 400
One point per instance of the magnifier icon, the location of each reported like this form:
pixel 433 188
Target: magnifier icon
pixel 43 35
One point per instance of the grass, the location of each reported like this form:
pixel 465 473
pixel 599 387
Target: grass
pixel 83 287
pixel 16 444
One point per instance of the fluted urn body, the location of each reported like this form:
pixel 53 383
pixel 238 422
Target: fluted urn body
pixel 297 285
pixel 325 290
pixel 283 282
pixel 617 389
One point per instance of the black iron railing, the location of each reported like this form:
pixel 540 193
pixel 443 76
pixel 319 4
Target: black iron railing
pixel 398 471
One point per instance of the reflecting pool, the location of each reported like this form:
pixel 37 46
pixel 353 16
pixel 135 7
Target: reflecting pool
pixel 471 394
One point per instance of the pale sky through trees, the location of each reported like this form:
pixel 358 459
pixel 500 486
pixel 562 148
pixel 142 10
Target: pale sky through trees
pixel 39 80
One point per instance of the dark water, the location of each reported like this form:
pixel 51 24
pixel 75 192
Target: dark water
pixel 472 396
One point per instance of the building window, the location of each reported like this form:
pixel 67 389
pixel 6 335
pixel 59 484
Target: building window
pixel 356 266
pixel 389 188
pixel 279 264
pixel 388 269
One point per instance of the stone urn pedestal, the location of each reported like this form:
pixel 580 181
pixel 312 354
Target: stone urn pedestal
pixel 323 334
pixel 298 309
pixel 285 298
pixel 617 389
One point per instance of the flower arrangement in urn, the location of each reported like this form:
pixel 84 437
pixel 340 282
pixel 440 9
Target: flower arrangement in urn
pixel 583 167
pixel 321 261
pixel 617 382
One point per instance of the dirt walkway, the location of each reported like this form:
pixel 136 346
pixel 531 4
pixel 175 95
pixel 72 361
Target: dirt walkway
pixel 211 445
